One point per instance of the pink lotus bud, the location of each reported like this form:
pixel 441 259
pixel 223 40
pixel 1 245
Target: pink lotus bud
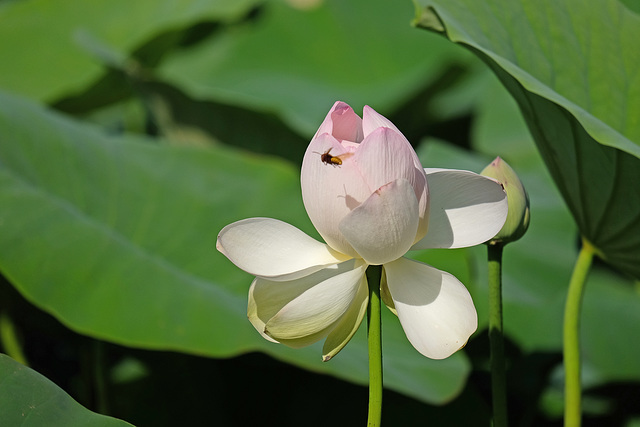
pixel 364 187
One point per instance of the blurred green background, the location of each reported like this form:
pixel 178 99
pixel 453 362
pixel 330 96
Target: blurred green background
pixel 132 132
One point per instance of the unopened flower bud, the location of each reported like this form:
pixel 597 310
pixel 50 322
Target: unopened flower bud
pixel 518 217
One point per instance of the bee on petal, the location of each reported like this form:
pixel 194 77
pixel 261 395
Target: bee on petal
pixel 328 159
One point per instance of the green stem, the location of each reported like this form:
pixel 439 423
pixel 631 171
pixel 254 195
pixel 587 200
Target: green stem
pixel 10 341
pixel 571 347
pixel 496 336
pixel 374 331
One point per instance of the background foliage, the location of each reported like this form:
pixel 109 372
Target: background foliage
pixel 130 134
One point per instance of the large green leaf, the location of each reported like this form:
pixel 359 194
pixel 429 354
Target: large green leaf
pixel 28 399
pixel 297 63
pixel 584 59
pixel 48 49
pixel 575 73
pixel 116 238
pixel 537 267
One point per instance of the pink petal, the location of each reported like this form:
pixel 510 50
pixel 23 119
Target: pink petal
pixel 384 227
pixel 384 156
pixel 342 123
pixel 371 121
pixel 330 192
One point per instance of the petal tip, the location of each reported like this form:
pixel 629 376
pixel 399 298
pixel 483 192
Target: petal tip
pixel 219 246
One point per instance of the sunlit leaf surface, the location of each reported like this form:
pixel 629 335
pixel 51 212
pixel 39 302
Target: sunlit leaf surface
pixel 575 73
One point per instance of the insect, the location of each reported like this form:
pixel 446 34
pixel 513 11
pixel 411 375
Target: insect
pixel 328 159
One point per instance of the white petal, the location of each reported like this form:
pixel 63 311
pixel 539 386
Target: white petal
pixel 385 295
pixel 262 306
pixel 384 227
pixel 273 249
pixel 434 308
pixel 314 302
pixel 466 209
pixel 258 316
pixel 267 298
pixel 344 330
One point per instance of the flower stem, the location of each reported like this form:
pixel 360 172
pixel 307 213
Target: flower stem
pixel 374 331
pixel 571 346
pixel 496 336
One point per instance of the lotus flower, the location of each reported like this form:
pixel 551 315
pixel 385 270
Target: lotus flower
pixel 371 201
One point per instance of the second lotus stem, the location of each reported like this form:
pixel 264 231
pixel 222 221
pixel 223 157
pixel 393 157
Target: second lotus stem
pixel 496 336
